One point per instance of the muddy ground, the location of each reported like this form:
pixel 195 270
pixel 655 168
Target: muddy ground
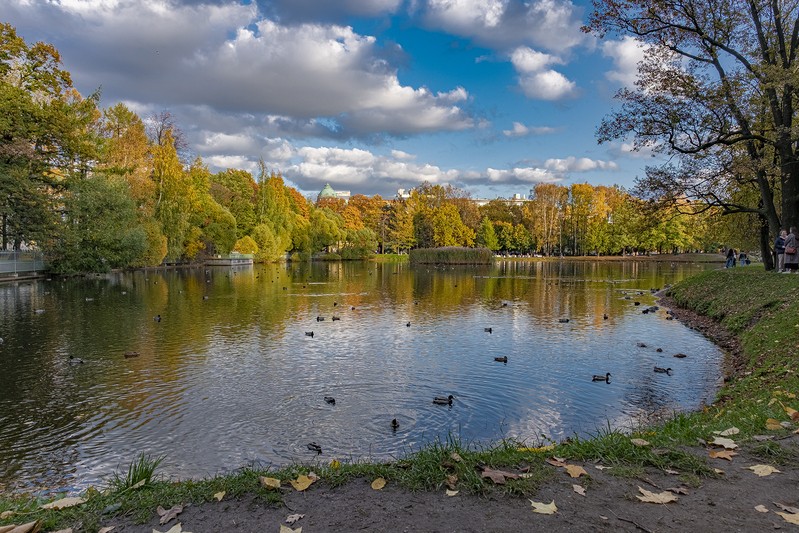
pixel 727 503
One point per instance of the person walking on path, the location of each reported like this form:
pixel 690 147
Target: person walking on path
pixel 779 249
pixel 791 252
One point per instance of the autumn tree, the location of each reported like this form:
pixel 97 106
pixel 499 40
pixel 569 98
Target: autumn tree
pixel 717 84
pixel 486 236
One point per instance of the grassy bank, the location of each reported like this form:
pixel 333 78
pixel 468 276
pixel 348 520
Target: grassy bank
pixel 760 308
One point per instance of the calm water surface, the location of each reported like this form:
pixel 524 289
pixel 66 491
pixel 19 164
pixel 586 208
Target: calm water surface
pixel 229 378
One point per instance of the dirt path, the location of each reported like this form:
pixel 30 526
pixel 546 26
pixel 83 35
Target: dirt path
pixel 724 504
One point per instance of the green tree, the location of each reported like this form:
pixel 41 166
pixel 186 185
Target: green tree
pixel 486 236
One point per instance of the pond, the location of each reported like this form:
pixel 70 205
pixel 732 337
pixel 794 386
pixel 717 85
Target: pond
pixel 231 377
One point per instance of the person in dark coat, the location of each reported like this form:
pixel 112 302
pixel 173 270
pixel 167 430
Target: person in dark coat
pixel 779 249
pixel 791 252
pixel 730 258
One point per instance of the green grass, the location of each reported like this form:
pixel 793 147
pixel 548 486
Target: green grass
pixel 761 308
pixel 452 255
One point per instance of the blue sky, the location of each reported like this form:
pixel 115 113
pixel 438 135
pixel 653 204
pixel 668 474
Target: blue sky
pixel 490 96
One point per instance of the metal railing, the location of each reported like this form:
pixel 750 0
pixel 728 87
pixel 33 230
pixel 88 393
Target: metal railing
pixel 21 262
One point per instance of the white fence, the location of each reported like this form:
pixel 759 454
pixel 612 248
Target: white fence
pixel 24 262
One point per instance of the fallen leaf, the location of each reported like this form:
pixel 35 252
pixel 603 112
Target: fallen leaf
pixel 284 529
pixel 527 475
pixel 335 464
pixel 451 493
pixel 538 449
pixel 786 425
pixel 793 413
pixel 301 483
pixel 290 519
pixel 498 476
pixel 177 528
pixel 106 529
pixel 724 442
pixel 269 482
pixel 138 484
pixel 63 503
pixel 544 508
pixel 452 481
pixel 167 515
pixel 579 489
pixel 678 490
pixel 763 470
pixel 378 483
pixel 556 461
pixel 661 497
pixel 672 472
pixel 6 514
pixel 600 467
pixel 219 495
pixel 787 508
pixel 603 517
pixel 722 454
pixel 761 509
pixel 772 424
pixel 719 471
pixel 30 527
pixel 67 530
pixel 790 518
pixel 575 470
pixel 640 442
pixel 455 457
pixel 728 432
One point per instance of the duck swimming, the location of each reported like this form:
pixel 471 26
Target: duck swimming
pixel 605 378
pixel 488 330
pixel 330 400
pixel 394 424
pixel 157 318
pixel 309 333
pixel 661 370
pixel 443 400
pixel 503 359
pixel 314 447
pixel 75 361
pixel 128 355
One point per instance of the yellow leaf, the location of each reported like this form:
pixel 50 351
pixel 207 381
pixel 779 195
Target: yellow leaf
pixel 793 413
pixel 579 489
pixel 773 423
pixel 539 449
pixel 378 483
pixel 301 483
pixel 269 482
pixel 661 497
pixel 763 470
pixel 576 470
pixel 544 508
pixel 724 442
pixel 286 529
pixel 219 496
pixel 722 454
pixel 451 493
pixel 790 518
pixel 761 508
pixel 335 464
pixel 63 503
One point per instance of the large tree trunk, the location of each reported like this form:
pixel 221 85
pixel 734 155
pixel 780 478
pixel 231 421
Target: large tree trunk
pixel 765 243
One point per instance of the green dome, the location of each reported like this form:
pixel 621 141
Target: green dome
pixel 326 192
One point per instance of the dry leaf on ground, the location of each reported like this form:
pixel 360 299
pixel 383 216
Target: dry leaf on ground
pixel 773 424
pixel 290 519
pixel 761 508
pixel 67 530
pixel 269 482
pixel 498 476
pixel 640 442
pixel 219 495
pixel 790 518
pixel 451 492
pixel 455 457
pixel 556 461
pixel 763 470
pixel 106 529
pixel 177 528
pixel 724 442
pixel 335 464
pixel 729 432
pixel 575 470
pixel 787 508
pixel 167 515
pixel 378 483
pixel 719 471
pixel 791 412
pixel 600 467
pixel 6 514
pixel 544 508
pixel 302 482
pixel 660 497
pixel 722 454
pixel 452 480
pixel 579 489
pixel 30 527
pixel 672 472
pixel 63 503
pixel 284 529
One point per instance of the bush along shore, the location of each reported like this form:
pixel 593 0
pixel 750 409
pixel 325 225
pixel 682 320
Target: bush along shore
pixel 752 314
